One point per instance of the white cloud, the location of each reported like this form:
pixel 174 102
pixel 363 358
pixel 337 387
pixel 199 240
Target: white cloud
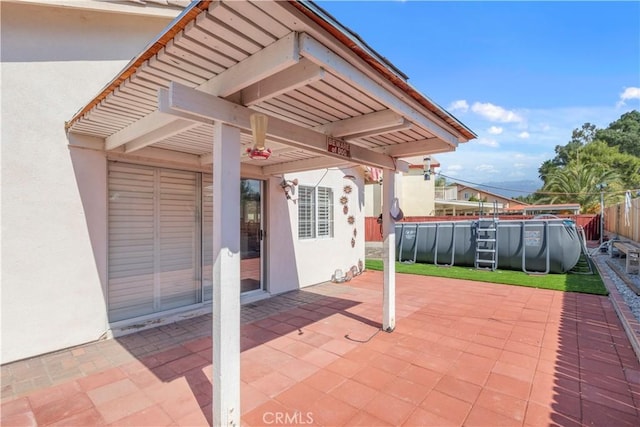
pixel 488 142
pixel 453 170
pixel 486 168
pixel 459 105
pixel 524 135
pixel 495 113
pixel 627 94
pixel 495 130
pixel 548 128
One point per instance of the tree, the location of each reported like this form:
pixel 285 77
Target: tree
pixel 617 147
pixel 599 154
pixel 574 184
pixel 569 152
pixel 440 181
pixel 624 133
pixel 530 199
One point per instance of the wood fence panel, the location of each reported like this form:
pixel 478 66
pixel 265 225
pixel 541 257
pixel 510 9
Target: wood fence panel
pixel 615 224
pixel 590 223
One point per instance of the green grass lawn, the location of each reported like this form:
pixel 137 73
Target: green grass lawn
pixel 588 284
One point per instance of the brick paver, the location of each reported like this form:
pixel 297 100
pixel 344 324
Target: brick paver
pixel 463 353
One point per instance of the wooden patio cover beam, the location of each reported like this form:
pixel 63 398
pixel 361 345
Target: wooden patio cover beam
pixel 190 103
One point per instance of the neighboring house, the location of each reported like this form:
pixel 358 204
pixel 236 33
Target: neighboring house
pixel 458 199
pixel 149 207
pixel 470 193
pixel 416 193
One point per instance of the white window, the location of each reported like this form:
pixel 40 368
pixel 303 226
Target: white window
pixel 325 212
pixel 315 212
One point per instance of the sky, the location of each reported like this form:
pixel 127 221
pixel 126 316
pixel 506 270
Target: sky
pixel 521 75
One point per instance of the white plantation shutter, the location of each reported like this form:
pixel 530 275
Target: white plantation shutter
pixel 315 212
pixel 178 239
pixel 325 212
pixel 306 213
pixel 154 240
pixel 207 236
pixel 131 241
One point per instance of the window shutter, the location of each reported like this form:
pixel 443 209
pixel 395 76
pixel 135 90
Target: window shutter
pixel 154 240
pixel 325 212
pixel 306 213
pixel 207 236
pixel 131 241
pixel 178 239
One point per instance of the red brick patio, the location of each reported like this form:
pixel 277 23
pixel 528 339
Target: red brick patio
pixel 463 353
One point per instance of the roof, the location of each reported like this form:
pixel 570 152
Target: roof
pixel 461 187
pixel 290 60
pixel 151 8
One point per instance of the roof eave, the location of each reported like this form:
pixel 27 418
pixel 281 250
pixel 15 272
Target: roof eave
pixel 187 15
pixel 328 23
pixel 376 61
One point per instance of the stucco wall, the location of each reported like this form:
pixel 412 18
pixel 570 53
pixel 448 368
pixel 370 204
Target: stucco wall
pixel 53 230
pixel 295 262
pixel 373 199
pixel 416 196
pixel 54 198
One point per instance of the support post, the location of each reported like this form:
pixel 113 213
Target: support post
pixel 601 214
pixel 388 252
pixel 226 275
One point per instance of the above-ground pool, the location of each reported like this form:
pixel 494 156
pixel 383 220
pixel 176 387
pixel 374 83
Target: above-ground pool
pixel 533 246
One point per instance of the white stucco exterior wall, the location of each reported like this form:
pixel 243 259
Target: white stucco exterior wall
pixel 373 197
pixel 54 228
pixel 416 196
pixel 298 262
pixel 54 196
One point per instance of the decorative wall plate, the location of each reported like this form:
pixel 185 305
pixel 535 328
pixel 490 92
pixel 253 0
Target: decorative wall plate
pixel 344 200
pixel 347 189
pixel 351 219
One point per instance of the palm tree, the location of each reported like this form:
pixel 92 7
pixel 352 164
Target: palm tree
pixel 574 184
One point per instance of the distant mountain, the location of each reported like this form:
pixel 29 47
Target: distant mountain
pixel 512 189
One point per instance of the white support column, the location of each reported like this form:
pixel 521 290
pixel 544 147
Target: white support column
pixel 388 252
pixel 226 275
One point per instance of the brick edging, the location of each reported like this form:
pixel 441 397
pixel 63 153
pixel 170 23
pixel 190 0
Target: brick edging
pixel 629 322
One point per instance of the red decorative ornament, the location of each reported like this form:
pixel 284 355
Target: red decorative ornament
pixel 260 154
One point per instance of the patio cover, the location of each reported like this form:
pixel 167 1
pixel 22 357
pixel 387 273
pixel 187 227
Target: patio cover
pixel 188 96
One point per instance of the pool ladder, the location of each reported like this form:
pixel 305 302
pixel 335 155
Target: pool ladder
pixel 486 255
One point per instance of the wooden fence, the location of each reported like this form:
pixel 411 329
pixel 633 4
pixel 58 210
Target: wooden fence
pixel 615 224
pixel 590 223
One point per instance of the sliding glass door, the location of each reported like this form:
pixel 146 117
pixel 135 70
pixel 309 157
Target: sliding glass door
pixel 251 234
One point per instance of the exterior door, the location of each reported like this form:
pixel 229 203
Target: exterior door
pixel 154 240
pixel 161 239
pixel 251 235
